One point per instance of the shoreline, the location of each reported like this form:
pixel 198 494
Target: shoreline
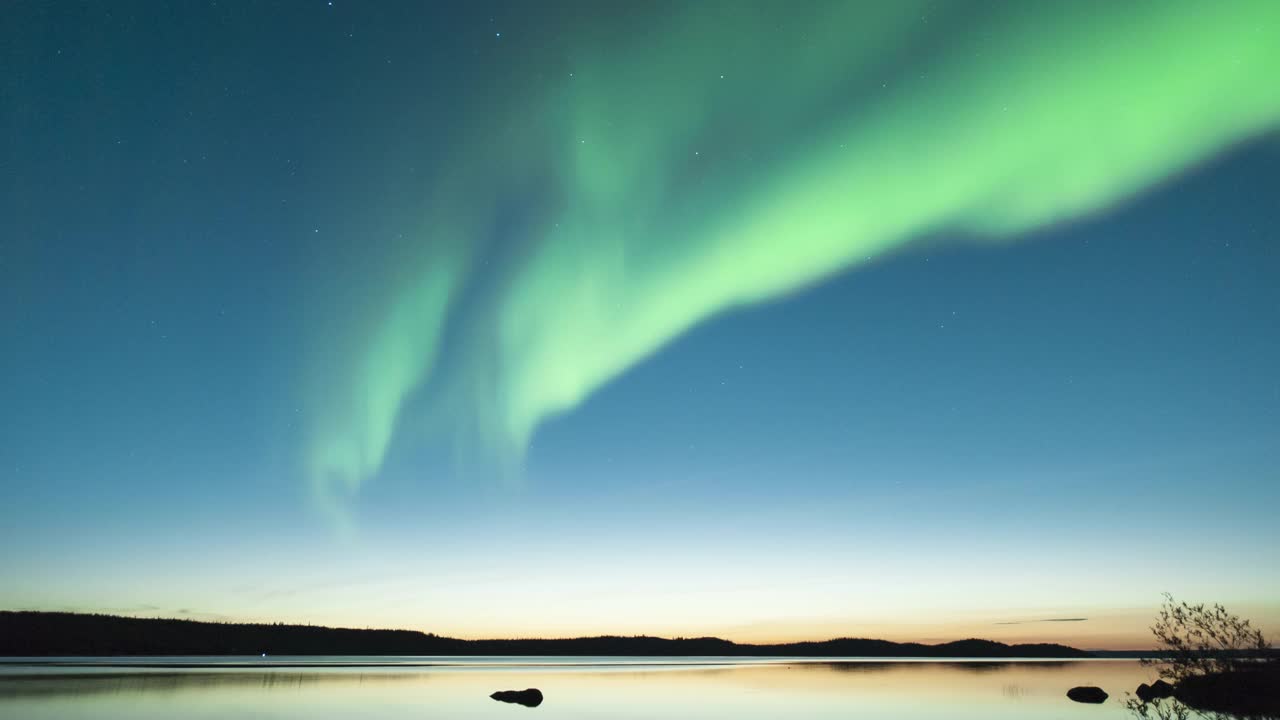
pixel 508 661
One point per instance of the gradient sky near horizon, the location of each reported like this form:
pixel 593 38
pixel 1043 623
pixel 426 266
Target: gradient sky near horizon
pixel 765 320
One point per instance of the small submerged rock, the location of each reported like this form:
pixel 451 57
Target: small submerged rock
pixel 531 697
pixel 1087 694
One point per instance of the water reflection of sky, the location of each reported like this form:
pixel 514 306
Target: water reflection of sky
pixel 749 690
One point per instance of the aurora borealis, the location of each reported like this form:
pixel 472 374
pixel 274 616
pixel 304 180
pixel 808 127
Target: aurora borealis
pixel 695 171
pixel 760 319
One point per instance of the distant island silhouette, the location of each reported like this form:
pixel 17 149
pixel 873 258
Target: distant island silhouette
pixel 46 634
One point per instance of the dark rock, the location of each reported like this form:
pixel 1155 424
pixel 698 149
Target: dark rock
pixel 529 698
pixel 1155 691
pixel 1161 689
pixel 1087 694
pixel 1243 692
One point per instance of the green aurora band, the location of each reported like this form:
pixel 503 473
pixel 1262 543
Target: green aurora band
pixel 725 155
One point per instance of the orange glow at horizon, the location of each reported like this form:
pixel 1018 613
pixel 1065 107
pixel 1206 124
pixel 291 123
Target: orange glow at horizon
pixel 1126 629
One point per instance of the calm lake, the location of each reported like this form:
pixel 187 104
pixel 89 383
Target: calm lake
pixel 573 688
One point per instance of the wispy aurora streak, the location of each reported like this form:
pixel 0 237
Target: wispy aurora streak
pixel 732 154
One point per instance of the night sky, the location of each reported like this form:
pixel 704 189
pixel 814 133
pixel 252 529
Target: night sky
pixel 773 321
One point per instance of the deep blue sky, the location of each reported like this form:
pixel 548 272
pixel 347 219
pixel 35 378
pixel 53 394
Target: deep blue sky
pixel 1065 420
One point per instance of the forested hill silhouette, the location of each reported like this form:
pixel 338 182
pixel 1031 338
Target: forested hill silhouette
pixel 43 634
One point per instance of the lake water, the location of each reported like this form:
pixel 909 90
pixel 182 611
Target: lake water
pixel 455 688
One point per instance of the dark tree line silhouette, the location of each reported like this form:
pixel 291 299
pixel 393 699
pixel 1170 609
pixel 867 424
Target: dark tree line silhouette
pixel 46 634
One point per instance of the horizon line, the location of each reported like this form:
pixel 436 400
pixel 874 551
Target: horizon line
pixel 676 638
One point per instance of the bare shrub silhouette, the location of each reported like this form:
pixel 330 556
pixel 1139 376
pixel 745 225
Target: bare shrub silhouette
pixel 1204 640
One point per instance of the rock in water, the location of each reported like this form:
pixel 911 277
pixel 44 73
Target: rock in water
pixel 1155 691
pixel 529 698
pixel 1254 692
pixel 1087 694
